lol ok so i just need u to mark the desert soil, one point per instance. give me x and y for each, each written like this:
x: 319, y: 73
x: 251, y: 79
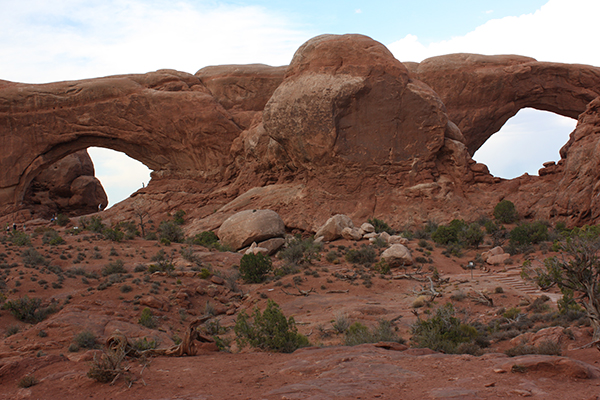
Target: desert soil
x: 325, y: 370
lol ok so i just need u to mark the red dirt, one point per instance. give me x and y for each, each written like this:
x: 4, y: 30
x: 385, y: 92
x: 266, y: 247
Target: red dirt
x: 325, y: 371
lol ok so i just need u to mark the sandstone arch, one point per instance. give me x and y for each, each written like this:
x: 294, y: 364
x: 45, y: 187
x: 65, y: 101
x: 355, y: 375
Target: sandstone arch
x: 482, y: 92
x: 167, y: 120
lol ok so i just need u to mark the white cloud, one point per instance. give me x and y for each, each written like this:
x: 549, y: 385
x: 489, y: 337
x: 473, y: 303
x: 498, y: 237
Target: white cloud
x: 74, y: 39
x: 560, y: 31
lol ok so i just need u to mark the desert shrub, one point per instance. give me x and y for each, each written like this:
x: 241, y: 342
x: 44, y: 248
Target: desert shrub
x: 382, y: 266
x: 332, y: 256
x: 442, y: 332
x: 147, y: 319
x: 52, y: 238
x: 301, y: 251
x: 94, y: 224
x: 162, y: 262
x: 341, y: 323
x: 27, y: 381
x: 140, y: 268
x: 171, y: 232
x: 358, y: 333
x: 113, y: 234
x: 129, y: 228
x: 31, y: 257
x: 505, y: 212
x: 269, y: 330
x: 108, y: 366
x: 511, y: 313
x: 144, y: 344
x: 125, y: 288
x: 115, y: 267
x: 62, y: 220
x: 255, y: 267
x: 529, y: 233
x: 365, y: 255
x: 459, y: 234
x: 85, y: 340
x: 539, y: 305
x: 19, y: 238
x: 381, y: 226
x: 206, y: 239
x: 178, y: 217
x: 567, y: 303
x: 29, y: 309
x: 473, y: 235
x: 12, y: 330
x: 446, y: 234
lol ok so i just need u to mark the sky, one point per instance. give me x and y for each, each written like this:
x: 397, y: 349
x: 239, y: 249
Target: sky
x: 43, y: 41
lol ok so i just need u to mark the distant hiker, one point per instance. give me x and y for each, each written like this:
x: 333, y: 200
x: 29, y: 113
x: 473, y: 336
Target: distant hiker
x: 143, y: 185
x: 14, y: 226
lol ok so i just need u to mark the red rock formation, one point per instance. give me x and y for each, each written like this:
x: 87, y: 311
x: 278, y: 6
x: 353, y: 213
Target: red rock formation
x: 165, y: 119
x: 348, y: 129
x: 482, y: 92
x: 67, y: 186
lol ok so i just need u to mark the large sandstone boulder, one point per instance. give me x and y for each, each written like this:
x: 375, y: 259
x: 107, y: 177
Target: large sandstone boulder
x: 332, y: 229
x: 352, y: 102
x: 245, y: 227
x: 67, y: 186
x: 397, y: 255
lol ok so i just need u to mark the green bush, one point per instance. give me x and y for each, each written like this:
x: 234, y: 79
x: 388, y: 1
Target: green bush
x: 93, y: 224
x: 113, y: 234
x: 147, y: 319
x: 27, y: 381
x: 380, y: 226
x: 178, y: 217
x: 269, y: 330
x: 115, y: 267
x: 300, y: 252
x: 29, y: 309
x: 19, y: 238
x: 358, y: 333
x: 171, y: 232
x: 443, y: 331
x: 144, y: 344
x: 529, y: 233
x: 52, y: 238
x: 162, y: 262
x: 31, y: 257
x: 85, y: 340
x: 129, y: 229
x: 206, y: 239
x: 505, y: 212
x: 366, y: 255
x: 255, y: 267
x: 62, y: 220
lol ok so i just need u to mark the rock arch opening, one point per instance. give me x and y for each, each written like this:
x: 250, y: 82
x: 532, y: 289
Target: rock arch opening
x: 526, y: 141
x: 119, y: 174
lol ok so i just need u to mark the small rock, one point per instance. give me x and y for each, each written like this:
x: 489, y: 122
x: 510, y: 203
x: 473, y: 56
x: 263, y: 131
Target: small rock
x: 217, y: 280
x: 397, y: 255
x: 397, y: 239
x: 151, y: 301
x: 332, y: 229
x: 367, y: 228
x: 351, y: 234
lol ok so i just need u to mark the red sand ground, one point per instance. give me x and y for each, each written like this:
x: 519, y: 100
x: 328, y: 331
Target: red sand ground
x: 327, y: 370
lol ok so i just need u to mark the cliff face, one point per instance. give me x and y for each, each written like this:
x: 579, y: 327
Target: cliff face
x: 344, y: 128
